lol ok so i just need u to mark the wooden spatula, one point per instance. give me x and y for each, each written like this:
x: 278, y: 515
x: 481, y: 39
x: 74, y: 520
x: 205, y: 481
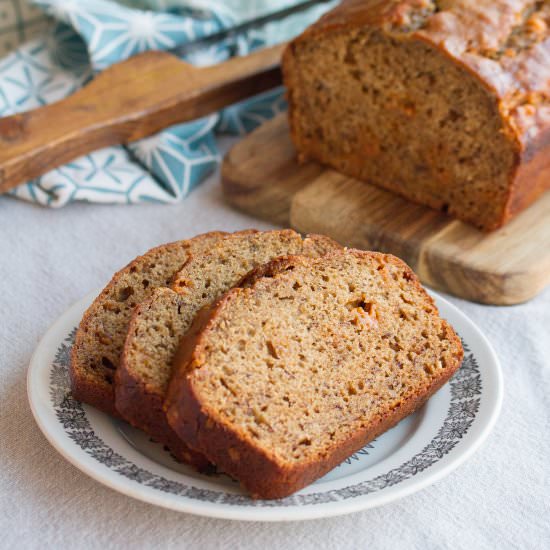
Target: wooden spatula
x: 128, y: 101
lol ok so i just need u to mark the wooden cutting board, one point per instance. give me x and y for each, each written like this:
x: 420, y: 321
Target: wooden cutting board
x: 261, y: 176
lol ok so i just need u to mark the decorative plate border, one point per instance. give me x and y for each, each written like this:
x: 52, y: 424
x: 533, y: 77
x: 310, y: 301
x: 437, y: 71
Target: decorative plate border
x: 465, y: 385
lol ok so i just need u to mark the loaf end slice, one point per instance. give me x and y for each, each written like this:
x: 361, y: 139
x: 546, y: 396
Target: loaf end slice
x: 100, y: 336
x: 281, y: 381
x: 159, y: 322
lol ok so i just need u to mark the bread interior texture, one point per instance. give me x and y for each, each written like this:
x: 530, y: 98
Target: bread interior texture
x: 300, y: 362
x: 397, y: 112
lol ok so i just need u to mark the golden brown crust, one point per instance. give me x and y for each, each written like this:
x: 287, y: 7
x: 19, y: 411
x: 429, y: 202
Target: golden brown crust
x: 532, y: 176
x: 257, y: 470
x: 504, y: 45
x: 142, y: 407
x: 99, y: 396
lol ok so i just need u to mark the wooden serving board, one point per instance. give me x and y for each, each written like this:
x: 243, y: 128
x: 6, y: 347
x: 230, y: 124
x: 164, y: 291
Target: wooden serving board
x: 261, y: 176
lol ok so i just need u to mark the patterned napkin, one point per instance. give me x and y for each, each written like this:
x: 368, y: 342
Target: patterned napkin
x: 82, y: 37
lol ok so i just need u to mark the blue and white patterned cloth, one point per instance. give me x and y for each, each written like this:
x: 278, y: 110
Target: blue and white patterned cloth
x: 85, y: 37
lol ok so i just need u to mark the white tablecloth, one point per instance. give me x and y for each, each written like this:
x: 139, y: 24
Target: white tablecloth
x: 50, y: 258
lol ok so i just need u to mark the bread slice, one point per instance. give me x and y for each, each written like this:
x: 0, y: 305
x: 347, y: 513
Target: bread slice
x: 279, y: 382
x: 159, y: 322
x: 102, y: 331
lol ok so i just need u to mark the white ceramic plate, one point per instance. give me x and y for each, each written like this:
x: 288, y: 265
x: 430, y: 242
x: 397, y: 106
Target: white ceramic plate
x: 420, y: 450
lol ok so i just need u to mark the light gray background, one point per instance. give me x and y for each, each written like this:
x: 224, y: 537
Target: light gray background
x: 50, y: 258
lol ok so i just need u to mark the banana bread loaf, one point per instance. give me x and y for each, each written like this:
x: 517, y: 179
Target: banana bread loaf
x: 445, y: 103
x: 159, y: 322
x: 280, y: 381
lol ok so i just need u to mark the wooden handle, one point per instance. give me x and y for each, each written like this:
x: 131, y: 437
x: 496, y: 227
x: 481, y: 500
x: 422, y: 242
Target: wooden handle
x: 128, y: 101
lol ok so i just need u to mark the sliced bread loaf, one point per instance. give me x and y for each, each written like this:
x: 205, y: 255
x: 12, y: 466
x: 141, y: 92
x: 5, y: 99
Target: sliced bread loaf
x: 159, y: 322
x: 100, y: 336
x: 280, y: 381
x: 445, y: 103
